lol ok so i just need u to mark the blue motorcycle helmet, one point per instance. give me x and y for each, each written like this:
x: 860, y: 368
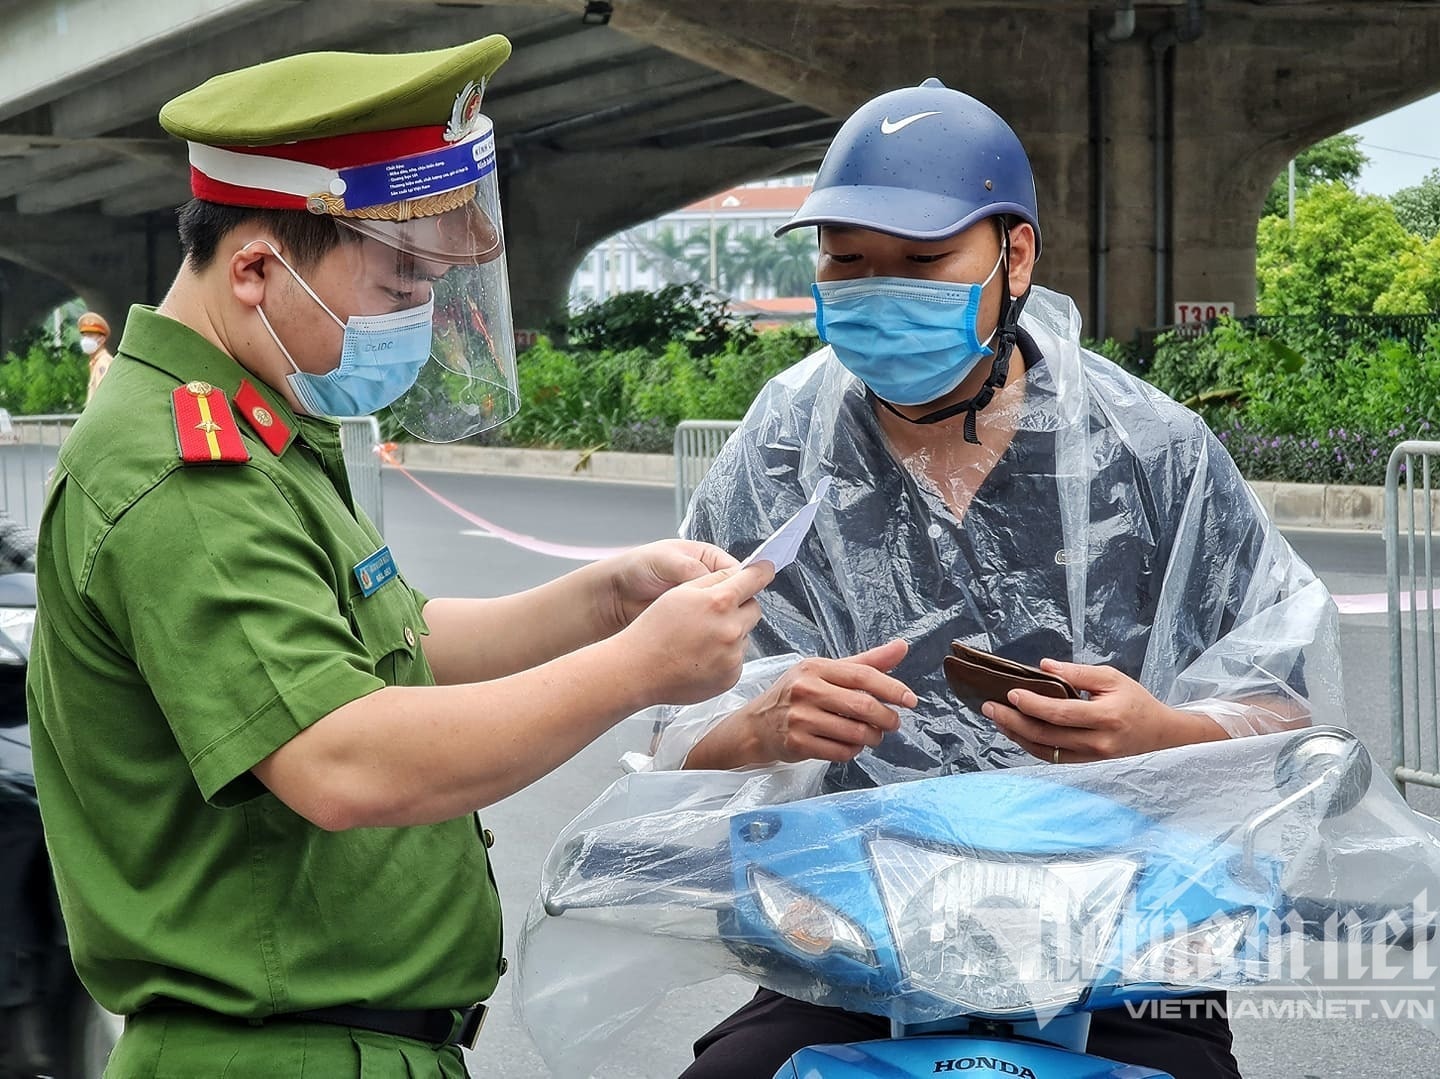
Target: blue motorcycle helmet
x: 925, y: 163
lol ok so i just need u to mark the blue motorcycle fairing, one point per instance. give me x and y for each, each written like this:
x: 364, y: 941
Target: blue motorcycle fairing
x: 819, y: 847
x: 973, y: 1058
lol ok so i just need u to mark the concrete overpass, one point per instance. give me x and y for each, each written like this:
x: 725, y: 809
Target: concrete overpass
x: 1156, y: 126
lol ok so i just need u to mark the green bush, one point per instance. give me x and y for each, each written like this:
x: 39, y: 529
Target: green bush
x: 1321, y: 405
x: 632, y: 399
x: 43, y: 378
x: 651, y: 320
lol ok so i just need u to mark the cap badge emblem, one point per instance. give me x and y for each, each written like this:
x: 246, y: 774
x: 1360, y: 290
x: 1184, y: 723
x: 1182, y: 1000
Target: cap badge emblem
x: 465, y: 115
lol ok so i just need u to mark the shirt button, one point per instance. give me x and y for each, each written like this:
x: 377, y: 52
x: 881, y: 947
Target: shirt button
x: 504, y: 966
x: 410, y: 636
x: 489, y: 837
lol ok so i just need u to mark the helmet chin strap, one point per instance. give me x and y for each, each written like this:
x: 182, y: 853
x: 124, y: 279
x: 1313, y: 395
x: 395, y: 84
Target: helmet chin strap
x: 1010, y: 308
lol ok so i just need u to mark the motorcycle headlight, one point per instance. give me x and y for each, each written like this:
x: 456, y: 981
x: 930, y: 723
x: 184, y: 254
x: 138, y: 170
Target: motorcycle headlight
x: 806, y: 923
x: 1202, y: 956
x: 997, y: 937
x: 17, y: 624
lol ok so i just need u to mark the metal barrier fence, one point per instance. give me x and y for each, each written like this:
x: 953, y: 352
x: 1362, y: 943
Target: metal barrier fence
x: 697, y: 444
x: 1412, y: 506
x: 29, y: 446
x: 360, y: 444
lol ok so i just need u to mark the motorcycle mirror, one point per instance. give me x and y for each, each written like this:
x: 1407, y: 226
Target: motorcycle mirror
x: 1333, y: 760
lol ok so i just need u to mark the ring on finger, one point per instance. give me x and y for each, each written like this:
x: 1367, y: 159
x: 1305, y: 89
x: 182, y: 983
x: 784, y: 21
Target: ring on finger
x: 1056, y: 758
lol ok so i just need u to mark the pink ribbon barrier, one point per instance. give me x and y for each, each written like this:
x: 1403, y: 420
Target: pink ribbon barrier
x: 517, y: 539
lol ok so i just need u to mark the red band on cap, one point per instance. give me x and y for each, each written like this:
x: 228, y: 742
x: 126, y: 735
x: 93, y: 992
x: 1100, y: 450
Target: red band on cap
x: 364, y: 148
x: 203, y: 187
x: 336, y: 152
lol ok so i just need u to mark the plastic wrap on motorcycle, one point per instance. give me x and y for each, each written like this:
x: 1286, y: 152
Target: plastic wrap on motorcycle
x: 1019, y: 895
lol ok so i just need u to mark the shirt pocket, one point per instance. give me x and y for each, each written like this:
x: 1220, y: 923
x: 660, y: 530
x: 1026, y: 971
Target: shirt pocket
x: 389, y: 624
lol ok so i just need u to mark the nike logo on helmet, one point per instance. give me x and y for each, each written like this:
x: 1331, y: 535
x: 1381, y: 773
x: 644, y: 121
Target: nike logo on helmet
x: 888, y: 128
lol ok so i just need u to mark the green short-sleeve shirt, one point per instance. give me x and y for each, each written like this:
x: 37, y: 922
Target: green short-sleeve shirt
x: 192, y: 619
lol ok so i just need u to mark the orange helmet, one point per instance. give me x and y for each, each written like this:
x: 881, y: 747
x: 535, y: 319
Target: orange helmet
x: 90, y: 322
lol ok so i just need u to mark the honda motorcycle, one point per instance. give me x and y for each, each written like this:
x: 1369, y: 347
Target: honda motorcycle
x: 987, y: 915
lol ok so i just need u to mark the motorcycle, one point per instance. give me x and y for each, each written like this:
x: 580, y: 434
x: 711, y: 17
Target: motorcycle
x: 49, y: 1026
x: 988, y: 914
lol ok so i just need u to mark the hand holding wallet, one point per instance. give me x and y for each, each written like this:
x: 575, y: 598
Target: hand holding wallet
x: 976, y: 677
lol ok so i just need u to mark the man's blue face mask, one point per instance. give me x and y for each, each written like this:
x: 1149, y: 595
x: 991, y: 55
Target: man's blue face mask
x: 911, y: 341
x: 380, y: 358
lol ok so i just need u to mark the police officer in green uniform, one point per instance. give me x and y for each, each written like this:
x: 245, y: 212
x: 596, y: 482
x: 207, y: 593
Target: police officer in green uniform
x: 258, y: 750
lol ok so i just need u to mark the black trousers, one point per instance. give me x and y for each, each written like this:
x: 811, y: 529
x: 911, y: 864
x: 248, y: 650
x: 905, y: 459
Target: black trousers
x: 764, y: 1033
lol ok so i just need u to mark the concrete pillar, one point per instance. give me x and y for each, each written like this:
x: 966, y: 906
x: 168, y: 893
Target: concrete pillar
x: 1244, y: 97
x: 25, y: 297
x: 108, y: 262
x: 1248, y: 93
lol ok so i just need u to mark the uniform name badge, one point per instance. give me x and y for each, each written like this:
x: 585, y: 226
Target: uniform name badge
x: 375, y: 571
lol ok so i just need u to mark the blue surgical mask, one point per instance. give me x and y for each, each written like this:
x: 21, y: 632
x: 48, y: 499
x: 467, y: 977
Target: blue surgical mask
x: 910, y: 341
x: 380, y: 358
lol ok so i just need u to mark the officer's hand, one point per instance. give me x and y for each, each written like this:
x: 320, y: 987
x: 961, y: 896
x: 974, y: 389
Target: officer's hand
x: 1120, y: 719
x: 643, y: 575
x: 827, y: 709
x: 689, y: 644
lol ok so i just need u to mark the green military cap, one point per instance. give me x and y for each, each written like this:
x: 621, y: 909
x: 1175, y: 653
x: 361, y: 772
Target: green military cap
x: 387, y: 137
x: 319, y: 95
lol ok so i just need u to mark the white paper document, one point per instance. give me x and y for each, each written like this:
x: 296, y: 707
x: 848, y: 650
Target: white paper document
x: 784, y: 543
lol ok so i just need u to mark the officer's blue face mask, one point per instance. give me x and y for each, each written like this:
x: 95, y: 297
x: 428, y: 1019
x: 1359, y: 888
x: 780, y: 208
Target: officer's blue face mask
x: 380, y: 358
x: 911, y: 341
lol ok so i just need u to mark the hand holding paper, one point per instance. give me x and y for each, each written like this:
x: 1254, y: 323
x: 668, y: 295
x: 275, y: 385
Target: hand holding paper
x: 784, y: 543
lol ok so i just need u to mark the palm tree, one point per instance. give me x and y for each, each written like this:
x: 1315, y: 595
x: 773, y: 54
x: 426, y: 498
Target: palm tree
x: 755, y: 258
x: 728, y: 273
x: 678, y: 262
x: 794, y: 267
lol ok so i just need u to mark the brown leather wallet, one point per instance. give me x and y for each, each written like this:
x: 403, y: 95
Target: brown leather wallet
x: 976, y: 677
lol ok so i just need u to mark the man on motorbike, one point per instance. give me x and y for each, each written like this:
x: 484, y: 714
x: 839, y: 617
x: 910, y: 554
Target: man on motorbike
x: 997, y: 485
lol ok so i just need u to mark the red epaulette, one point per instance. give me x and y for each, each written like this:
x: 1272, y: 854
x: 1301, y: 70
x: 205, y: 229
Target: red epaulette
x: 205, y: 427
x: 273, y: 431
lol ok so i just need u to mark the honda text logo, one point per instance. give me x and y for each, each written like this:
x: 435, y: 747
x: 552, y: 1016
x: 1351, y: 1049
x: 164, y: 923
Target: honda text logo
x: 994, y: 1064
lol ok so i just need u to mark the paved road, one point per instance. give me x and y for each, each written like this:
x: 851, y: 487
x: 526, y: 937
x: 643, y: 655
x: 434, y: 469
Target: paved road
x: 441, y: 555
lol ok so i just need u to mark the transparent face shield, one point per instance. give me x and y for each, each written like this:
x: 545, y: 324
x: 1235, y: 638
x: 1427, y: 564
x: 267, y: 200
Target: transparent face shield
x: 455, y: 254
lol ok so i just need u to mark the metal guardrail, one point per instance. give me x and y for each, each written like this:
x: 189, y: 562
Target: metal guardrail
x: 360, y: 445
x: 697, y: 444
x: 1412, y: 506
x: 29, y: 446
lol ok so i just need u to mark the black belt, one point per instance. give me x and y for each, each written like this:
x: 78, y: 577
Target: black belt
x: 435, y: 1026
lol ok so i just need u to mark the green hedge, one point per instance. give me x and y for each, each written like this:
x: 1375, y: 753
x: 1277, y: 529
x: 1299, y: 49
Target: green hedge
x: 632, y: 399
x: 1324, y: 405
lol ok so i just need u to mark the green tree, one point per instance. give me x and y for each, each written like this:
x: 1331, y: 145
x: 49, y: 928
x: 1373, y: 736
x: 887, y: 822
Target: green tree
x: 1342, y: 255
x: 1336, y: 160
x: 677, y: 261
x: 1415, y: 288
x: 755, y: 258
x: 794, y: 267
x: 41, y: 377
x: 1418, y: 207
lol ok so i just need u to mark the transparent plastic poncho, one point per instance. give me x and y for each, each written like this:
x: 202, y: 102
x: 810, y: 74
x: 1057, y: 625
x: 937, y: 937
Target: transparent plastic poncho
x: 1114, y: 529
x: 1020, y: 895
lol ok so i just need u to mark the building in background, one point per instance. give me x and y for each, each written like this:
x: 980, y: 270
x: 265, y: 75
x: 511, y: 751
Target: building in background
x: 725, y: 242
